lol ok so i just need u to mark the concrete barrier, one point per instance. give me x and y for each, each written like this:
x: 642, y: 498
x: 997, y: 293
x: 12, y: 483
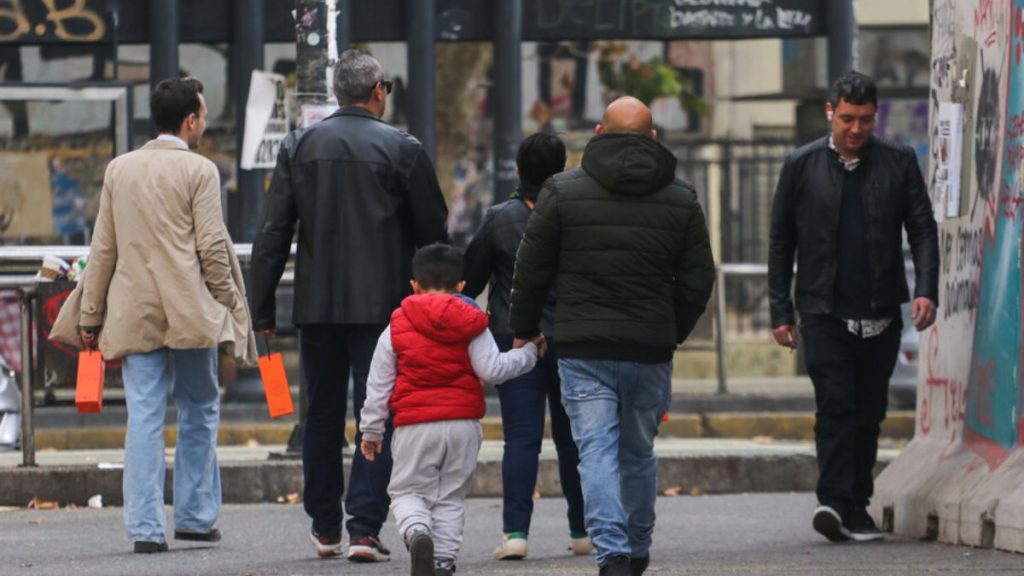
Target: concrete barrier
x: 961, y: 479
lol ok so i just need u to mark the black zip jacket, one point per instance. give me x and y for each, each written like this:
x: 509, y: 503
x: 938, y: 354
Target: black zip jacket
x: 805, y: 221
x: 365, y: 196
x: 625, y: 244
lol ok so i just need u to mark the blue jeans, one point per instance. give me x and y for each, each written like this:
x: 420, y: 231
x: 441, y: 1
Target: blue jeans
x: 190, y: 376
x: 615, y: 408
x: 522, y: 420
x: 329, y: 352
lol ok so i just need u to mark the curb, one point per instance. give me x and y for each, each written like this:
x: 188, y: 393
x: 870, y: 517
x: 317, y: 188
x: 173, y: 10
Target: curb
x: 780, y: 425
x: 268, y: 480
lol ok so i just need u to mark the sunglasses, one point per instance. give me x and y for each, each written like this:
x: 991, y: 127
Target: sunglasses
x: 387, y: 85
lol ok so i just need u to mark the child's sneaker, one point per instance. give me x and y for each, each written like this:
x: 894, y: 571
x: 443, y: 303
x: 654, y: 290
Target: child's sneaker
x: 421, y: 555
x: 581, y: 544
x: 513, y: 547
x: 326, y: 546
x: 444, y: 567
x: 367, y: 549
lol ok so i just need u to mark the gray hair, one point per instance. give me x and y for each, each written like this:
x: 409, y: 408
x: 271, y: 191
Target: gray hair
x: 355, y: 76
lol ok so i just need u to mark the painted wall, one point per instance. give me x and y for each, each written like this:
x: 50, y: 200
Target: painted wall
x: 961, y: 479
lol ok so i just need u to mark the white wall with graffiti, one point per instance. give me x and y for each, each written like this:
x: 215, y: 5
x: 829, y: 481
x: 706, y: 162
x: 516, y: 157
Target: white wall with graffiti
x: 959, y: 479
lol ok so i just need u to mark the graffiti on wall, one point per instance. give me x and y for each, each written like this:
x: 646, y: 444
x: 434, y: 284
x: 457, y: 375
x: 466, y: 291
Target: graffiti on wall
x: 971, y: 396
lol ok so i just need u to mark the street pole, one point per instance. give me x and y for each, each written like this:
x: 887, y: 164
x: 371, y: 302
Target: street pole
x: 508, y: 33
x: 247, y: 50
x: 420, y: 38
x: 164, y: 36
x: 841, y: 28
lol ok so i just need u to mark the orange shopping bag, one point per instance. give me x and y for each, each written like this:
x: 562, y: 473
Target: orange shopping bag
x: 89, y: 386
x: 275, y: 384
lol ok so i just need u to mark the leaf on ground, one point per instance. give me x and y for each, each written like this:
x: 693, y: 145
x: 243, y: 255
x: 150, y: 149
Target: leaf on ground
x: 762, y: 439
x: 696, y: 491
x: 38, y: 503
x: 673, y: 491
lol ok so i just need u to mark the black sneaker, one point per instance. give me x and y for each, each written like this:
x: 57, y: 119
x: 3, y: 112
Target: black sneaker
x: 148, y: 547
x: 212, y: 536
x: 829, y: 524
x: 637, y: 566
x: 616, y: 566
x: 421, y: 555
x: 861, y: 527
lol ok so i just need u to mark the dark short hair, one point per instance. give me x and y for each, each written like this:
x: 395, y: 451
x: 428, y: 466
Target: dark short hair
x: 540, y: 157
x: 855, y: 88
x: 437, y: 267
x: 172, y: 101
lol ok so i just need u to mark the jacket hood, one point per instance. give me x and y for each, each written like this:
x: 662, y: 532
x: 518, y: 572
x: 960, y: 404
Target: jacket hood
x: 629, y: 163
x: 444, y: 317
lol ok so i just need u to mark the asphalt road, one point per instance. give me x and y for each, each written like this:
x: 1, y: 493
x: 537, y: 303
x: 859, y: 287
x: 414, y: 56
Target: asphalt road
x: 766, y: 534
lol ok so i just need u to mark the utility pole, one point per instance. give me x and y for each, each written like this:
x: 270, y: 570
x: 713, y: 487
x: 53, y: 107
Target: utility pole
x: 508, y: 129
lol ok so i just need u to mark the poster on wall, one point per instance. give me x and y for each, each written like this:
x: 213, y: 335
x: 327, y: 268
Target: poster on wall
x: 26, y: 200
x: 266, y: 120
x: 947, y: 175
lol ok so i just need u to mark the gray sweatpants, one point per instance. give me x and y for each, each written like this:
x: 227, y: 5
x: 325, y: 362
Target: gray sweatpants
x: 433, y: 467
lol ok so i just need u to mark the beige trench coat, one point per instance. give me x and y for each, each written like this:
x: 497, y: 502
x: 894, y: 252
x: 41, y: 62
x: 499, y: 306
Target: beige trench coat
x: 162, y: 271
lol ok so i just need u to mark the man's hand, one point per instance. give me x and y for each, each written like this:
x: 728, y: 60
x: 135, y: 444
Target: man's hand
x: 541, y: 343
x: 370, y: 449
x: 90, y: 338
x: 785, y: 335
x: 268, y: 333
x: 923, y: 313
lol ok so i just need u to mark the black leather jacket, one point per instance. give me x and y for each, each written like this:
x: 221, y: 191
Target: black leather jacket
x: 805, y: 218
x: 365, y: 196
x: 491, y: 257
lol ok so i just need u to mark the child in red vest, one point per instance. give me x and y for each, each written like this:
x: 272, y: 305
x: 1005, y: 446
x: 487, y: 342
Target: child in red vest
x: 427, y: 371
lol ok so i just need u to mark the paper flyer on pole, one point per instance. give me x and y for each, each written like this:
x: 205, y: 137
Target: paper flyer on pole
x: 266, y: 120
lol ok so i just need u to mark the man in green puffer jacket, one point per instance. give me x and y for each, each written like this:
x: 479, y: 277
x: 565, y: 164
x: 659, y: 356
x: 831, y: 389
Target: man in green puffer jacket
x: 625, y: 244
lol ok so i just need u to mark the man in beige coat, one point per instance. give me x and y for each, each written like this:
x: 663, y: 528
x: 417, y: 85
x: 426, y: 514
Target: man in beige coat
x: 161, y: 290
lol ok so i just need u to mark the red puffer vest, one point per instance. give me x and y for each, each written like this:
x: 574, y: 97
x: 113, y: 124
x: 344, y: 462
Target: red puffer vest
x: 431, y: 334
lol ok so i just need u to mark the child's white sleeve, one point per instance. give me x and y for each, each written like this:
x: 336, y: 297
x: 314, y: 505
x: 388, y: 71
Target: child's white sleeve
x: 493, y: 366
x: 379, y: 385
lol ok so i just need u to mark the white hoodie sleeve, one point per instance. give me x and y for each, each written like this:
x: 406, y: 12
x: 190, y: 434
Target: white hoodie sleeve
x: 379, y: 385
x: 493, y: 366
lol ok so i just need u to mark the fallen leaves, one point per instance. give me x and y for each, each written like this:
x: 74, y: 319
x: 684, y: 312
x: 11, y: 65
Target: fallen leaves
x: 292, y: 498
x: 38, y: 503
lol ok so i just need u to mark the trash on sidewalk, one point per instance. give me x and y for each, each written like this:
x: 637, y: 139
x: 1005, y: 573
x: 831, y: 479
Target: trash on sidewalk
x: 763, y: 439
x: 110, y: 466
x: 96, y: 501
x: 38, y: 503
x: 673, y: 491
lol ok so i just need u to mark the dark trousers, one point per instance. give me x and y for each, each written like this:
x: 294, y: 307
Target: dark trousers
x: 522, y: 419
x: 329, y: 352
x: 851, y: 387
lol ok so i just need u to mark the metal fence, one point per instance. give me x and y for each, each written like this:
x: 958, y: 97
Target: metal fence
x: 735, y: 181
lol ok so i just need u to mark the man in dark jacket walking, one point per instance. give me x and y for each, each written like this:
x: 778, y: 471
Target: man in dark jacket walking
x: 625, y: 244
x: 840, y: 205
x: 366, y: 196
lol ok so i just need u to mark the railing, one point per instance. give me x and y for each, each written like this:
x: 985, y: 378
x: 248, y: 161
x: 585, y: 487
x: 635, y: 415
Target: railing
x: 16, y: 263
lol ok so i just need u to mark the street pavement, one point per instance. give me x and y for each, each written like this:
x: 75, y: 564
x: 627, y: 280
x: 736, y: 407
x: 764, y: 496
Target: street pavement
x: 742, y: 534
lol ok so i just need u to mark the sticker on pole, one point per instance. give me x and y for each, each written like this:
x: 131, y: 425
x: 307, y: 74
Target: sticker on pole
x: 266, y: 120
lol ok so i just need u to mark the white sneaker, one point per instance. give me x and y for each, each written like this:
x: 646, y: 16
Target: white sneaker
x: 511, y: 548
x: 581, y: 546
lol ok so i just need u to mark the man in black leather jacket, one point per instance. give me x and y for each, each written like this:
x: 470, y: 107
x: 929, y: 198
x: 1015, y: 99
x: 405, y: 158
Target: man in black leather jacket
x: 841, y: 204
x: 366, y: 196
